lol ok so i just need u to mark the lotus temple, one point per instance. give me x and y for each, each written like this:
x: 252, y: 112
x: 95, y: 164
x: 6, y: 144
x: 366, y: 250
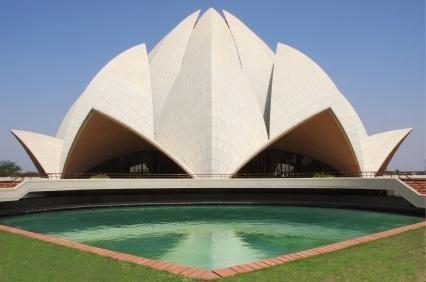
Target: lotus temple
x: 211, y: 106
x: 211, y: 99
x: 210, y: 156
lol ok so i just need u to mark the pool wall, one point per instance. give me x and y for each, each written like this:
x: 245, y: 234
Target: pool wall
x: 339, y: 198
x: 385, y: 194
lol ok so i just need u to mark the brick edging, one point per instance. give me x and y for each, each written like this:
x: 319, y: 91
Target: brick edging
x: 215, y: 273
x: 265, y: 263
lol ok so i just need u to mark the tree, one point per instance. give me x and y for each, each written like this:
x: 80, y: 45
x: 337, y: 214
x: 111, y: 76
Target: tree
x: 9, y: 167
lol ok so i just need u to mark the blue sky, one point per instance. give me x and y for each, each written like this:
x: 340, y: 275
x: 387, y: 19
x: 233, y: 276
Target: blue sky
x: 372, y: 49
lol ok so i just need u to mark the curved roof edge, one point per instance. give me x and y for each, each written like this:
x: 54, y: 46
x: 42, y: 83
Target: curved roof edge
x: 378, y: 149
x: 301, y: 88
x: 256, y: 58
x: 122, y: 89
x: 214, y: 122
x: 145, y: 138
x: 281, y: 135
x: 153, y: 52
x: 165, y: 61
x: 44, y: 150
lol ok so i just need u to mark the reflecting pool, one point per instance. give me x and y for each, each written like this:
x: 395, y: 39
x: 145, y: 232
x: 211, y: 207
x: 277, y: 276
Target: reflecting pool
x: 209, y: 236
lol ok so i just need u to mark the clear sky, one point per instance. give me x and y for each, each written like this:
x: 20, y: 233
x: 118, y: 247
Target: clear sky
x: 374, y: 50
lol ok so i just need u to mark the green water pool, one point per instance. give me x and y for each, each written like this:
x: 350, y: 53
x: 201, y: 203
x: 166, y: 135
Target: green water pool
x: 209, y: 236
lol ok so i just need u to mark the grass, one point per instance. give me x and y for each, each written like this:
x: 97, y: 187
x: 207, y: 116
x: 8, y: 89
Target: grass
x: 25, y: 259
x: 396, y: 258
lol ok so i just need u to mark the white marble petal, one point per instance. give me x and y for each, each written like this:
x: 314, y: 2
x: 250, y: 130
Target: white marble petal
x: 122, y: 90
x: 212, y: 95
x: 256, y: 60
x: 379, y: 148
x: 44, y: 150
x: 166, y: 59
x: 211, y: 119
x: 301, y: 89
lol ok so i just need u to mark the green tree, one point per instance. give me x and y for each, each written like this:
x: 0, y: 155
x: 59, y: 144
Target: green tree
x: 9, y: 167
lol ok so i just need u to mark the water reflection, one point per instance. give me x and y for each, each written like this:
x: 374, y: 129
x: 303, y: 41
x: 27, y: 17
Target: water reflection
x: 209, y: 236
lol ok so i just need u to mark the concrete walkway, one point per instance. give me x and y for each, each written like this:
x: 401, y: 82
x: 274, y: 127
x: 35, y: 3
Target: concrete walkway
x: 393, y: 186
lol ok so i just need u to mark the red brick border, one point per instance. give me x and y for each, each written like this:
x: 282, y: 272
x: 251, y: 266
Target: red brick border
x: 215, y: 273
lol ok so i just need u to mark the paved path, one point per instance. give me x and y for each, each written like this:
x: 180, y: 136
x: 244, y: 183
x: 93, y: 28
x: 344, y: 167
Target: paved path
x: 394, y: 186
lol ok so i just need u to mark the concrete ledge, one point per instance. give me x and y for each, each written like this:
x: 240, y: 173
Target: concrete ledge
x: 392, y: 186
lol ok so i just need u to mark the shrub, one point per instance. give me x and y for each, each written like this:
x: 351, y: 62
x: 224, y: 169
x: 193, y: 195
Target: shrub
x: 322, y: 175
x: 99, y: 176
x: 9, y: 168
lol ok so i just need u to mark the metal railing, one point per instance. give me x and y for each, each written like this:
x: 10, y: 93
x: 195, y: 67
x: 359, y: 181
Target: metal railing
x: 317, y: 174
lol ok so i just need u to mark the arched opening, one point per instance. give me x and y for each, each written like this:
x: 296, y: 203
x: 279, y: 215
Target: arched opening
x: 150, y: 163
x: 103, y: 146
x: 278, y: 163
x: 317, y: 145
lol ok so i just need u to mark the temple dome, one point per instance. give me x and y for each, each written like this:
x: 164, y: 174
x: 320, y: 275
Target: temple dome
x: 210, y: 98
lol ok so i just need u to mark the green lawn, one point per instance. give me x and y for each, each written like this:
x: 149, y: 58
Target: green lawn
x: 25, y: 259
x: 397, y: 258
